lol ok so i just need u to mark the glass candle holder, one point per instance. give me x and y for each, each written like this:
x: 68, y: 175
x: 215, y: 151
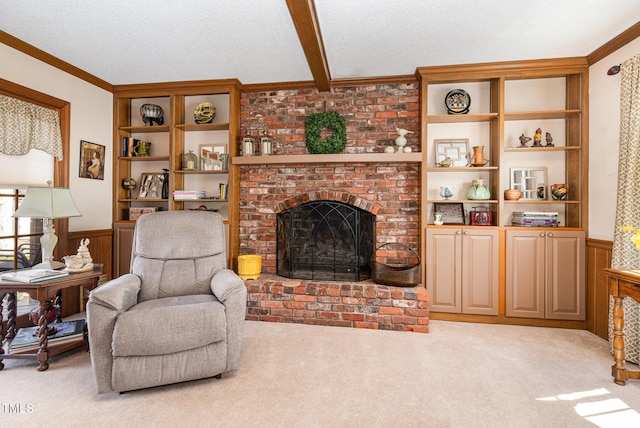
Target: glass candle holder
x: 247, y: 146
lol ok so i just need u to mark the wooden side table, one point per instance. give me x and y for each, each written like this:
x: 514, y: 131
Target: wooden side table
x: 43, y: 291
x: 622, y: 283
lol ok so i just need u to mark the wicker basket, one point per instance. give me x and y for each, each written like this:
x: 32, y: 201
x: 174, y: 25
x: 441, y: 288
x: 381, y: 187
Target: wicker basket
x: 397, y: 275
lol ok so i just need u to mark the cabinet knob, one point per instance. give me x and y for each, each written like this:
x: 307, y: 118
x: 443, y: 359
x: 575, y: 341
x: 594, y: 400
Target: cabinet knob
x: 465, y: 233
x: 550, y: 235
x: 542, y: 234
x: 457, y: 232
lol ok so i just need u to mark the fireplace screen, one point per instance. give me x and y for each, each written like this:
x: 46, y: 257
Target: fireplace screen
x: 325, y: 240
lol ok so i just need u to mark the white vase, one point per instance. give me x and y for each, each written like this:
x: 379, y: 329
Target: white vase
x: 446, y: 191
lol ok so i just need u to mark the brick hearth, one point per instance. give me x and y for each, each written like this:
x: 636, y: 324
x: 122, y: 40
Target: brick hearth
x: 347, y: 304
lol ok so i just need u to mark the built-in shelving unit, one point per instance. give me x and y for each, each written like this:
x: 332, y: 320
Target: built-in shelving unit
x: 178, y: 135
x: 507, y: 100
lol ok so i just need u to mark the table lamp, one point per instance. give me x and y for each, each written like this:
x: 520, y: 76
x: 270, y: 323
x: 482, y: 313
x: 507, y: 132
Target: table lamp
x: 47, y: 203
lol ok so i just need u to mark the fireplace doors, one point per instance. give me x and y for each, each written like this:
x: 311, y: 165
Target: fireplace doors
x: 325, y: 240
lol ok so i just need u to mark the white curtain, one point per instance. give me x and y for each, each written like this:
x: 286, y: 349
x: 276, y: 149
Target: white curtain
x: 625, y: 256
x: 25, y: 126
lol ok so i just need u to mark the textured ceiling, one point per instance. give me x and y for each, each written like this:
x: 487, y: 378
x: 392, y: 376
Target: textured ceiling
x: 142, y: 41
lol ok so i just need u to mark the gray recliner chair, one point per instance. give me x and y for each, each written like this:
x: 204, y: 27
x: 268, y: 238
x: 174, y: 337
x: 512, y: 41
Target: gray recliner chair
x: 178, y: 316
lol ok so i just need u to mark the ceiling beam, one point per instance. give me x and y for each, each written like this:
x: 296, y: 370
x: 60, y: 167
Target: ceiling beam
x: 305, y: 19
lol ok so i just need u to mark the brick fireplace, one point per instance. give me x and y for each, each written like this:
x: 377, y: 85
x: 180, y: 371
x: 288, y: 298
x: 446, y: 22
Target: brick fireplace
x: 390, y: 191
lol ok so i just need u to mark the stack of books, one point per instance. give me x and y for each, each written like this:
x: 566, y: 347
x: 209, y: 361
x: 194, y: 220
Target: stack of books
x: 535, y: 218
x: 27, y: 340
x: 31, y: 276
x: 179, y: 195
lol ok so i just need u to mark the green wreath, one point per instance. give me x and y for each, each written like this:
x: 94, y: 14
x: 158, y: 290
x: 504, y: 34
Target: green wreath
x: 315, y: 123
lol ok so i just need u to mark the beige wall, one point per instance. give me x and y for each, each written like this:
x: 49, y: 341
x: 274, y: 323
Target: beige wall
x: 604, y: 133
x: 91, y: 120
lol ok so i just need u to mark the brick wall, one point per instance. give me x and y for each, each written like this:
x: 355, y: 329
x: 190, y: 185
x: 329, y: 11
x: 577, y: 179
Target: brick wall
x: 372, y: 114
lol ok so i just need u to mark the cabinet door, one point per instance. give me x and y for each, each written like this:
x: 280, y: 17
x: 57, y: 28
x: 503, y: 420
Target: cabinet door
x: 480, y: 271
x: 444, y: 280
x: 525, y: 272
x: 565, y: 283
x: 122, y: 243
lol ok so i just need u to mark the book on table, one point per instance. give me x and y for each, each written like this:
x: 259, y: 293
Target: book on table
x: 31, y: 276
x: 27, y: 339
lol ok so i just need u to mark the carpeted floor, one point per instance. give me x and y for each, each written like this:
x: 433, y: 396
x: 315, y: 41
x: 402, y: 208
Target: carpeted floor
x: 459, y: 375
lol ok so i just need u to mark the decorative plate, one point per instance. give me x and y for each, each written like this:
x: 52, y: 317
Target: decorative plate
x: 457, y: 101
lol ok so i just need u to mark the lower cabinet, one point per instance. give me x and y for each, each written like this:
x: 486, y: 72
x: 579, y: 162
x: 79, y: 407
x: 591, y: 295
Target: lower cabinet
x: 462, y: 270
x: 545, y: 274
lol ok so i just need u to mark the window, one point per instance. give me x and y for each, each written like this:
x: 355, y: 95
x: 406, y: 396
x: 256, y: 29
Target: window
x: 19, y: 237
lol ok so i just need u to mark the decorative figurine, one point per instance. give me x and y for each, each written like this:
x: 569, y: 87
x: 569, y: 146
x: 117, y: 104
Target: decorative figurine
x: 549, y: 139
x: 438, y: 221
x: 446, y: 162
x: 524, y: 140
x: 81, y: 262
x: 537, y: 138
x: 401, y: 141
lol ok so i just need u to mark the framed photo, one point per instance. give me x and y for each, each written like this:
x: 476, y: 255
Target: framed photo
x: 210, y: 156
x: 91, y: 160
x: 452, y: 213
x: 151, y: 185
x: 530, y: 181
x: 455, y: 149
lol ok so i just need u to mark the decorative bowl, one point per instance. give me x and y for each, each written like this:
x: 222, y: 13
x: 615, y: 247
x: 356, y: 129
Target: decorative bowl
x: 152, y: 113
x: 512, y: 194
x: 205, y: 113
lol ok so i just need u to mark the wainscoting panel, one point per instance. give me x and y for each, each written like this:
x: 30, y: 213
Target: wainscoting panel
x: 598, y: 259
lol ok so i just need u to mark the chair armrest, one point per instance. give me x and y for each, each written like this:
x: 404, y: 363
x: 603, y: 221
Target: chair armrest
x: 229, y: 288
x: 105, y: 304
x: 119, y: 294
x: 225, y: 283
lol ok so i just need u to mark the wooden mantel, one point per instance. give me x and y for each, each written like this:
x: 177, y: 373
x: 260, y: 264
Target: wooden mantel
x: 413, y: 157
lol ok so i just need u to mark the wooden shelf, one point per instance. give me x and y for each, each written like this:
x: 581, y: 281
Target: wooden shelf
x: 201, y: 200
x: 141, y: 129
x: 201, y: 171
x: 143, y: 158
x: 548, y: 114
x: 459, y: 118
x: 541, y: 149
x: 461, y: 168
x: 414, y: 157
x: 203, y: 126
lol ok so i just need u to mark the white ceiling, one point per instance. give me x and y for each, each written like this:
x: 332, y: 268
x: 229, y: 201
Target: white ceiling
x: 142, y: 41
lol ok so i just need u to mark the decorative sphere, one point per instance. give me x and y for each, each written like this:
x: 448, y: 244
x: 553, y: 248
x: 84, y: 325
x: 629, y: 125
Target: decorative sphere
x: 205, y: 113
x: 407, y: 149
x: 128, y: 183
x: 389, y: 149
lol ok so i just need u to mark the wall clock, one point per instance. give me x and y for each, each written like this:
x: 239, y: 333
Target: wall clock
x: 457, y: 101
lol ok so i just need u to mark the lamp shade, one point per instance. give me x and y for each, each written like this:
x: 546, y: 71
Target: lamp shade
x: 47, y: 202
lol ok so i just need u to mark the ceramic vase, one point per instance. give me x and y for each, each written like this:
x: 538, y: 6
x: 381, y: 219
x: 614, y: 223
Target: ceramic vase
x: 446, y: 191
x: 478, y: 190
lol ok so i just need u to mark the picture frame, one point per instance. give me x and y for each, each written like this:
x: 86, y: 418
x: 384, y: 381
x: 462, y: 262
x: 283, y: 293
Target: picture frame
x: 92, y: 158
x: 457, y: 149
x: 151, y: 185
x: 532, y: 182
x: 210, y: 156
x: 452, y: 213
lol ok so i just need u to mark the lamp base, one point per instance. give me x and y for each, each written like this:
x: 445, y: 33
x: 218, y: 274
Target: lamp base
x: 49, y: 265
